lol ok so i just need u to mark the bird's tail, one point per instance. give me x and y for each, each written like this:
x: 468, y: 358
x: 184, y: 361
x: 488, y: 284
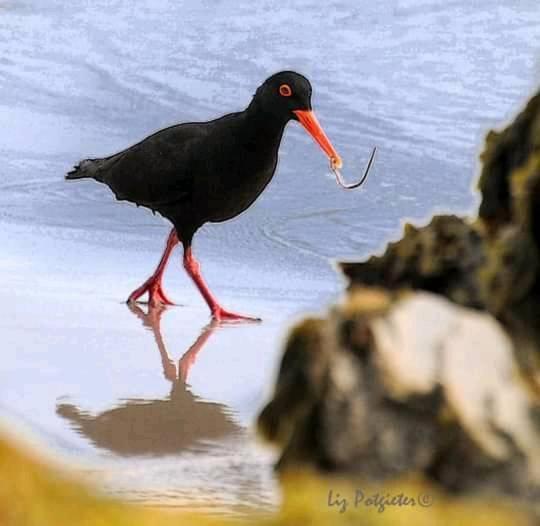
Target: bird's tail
x: 86, y: 168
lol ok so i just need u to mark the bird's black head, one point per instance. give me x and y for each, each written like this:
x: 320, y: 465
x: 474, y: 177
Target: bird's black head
x: 287, y: 95
x: 283, y: 93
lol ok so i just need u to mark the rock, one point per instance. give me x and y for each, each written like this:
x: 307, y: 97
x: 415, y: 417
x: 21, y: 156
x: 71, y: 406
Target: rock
x: 366, y: 392
x: 442, y: 257
x: 431, y: 364
x: 509, y: 212
x: 504, y: 153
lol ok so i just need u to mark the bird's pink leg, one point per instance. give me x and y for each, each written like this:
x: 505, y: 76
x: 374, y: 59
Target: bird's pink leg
x: 218, y: 313
x: 156, y: 295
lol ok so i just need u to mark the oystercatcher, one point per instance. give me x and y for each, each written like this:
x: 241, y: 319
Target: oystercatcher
x: 201, y: 172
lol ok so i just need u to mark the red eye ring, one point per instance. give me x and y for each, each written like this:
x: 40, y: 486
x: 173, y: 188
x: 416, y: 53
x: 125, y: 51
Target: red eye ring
x: 285, y: 90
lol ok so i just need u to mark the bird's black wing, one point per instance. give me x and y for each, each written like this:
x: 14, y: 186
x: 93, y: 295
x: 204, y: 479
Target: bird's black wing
x: 156, y: 171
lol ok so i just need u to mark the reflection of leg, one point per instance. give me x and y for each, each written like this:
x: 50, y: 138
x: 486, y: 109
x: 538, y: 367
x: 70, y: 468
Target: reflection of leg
x: 152, y: 285
x: 152, y: 320
x: 188, y: 358
x: 218, y: 313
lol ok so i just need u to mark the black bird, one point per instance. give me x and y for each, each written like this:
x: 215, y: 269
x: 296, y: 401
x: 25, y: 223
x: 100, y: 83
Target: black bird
x: 201, y: 172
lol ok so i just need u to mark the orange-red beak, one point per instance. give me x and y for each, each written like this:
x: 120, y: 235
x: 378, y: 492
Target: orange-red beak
x: 311, y: 124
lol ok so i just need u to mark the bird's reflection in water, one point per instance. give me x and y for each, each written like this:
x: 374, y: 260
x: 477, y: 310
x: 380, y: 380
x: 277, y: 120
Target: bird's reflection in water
x: 157, y: 427
x: 152, y: 320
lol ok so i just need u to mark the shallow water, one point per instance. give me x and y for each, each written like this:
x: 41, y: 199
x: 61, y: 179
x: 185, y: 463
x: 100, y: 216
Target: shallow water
x: 421, y: 80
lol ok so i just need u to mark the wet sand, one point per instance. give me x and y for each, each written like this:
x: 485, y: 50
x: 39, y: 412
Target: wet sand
x: 157, y: 405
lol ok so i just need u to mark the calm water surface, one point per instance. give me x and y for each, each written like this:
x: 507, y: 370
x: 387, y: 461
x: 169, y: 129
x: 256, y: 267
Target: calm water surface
x: 158, y: 407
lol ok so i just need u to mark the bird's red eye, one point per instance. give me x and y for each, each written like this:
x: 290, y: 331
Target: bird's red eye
x: 285, y: 90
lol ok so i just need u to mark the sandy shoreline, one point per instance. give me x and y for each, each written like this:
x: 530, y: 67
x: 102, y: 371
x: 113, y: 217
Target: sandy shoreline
x: 83, y: 372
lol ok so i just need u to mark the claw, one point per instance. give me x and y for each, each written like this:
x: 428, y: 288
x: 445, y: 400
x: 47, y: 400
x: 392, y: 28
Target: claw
x: 156, y: 294
x: 221, y: 315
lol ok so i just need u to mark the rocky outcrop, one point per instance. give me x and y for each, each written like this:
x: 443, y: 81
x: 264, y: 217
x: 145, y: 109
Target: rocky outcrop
x: 430, y: 363
x: 390, y: 385
x: 442, y: 257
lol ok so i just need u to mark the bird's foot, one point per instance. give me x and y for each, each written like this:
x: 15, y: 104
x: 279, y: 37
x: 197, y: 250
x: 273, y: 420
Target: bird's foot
x: 221, y: 315
x: 156, y: 294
